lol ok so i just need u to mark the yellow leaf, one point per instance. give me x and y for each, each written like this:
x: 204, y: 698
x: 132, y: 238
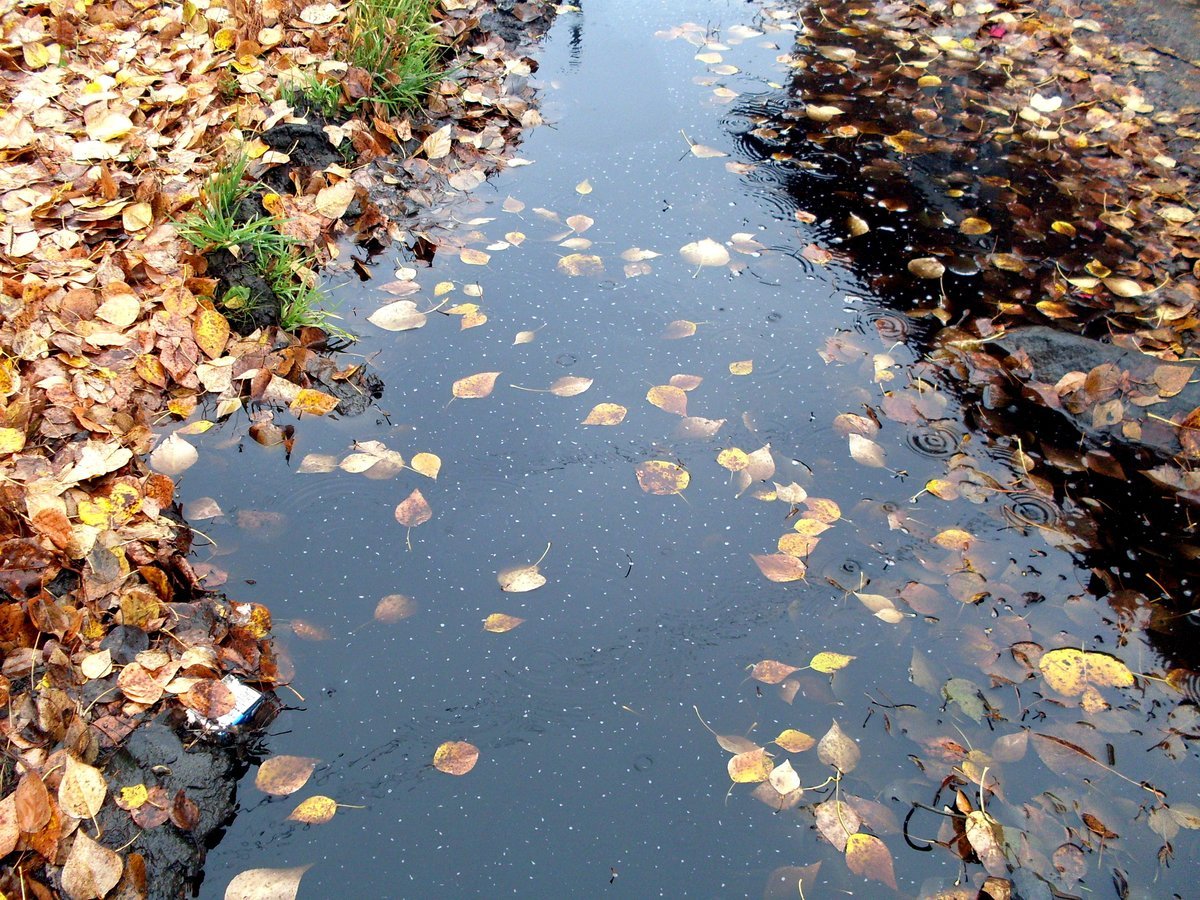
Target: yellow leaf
x: 498, y: 623
x: 742, y: 367
x: 733, y: 459
x: 680, y: 328
x: 283, y: 775
x: 313, y: 403
x: 333, y: 201
x: 581, y: 264
x: 225, y: 39
x: 794, y: 741
x: 109, y: 127
x: 474, y: 257
x: 829, y: 662
x: 584, y: 187
x: 658, y: 477
x: 82, y: 790
x: 137, y: 216
x: 606, y: 414
x: 668, y: 398
x: 519, y: 579
x: 1070, y: 671
x: 437, y: 145
x: 780, y: 567
x: 954, y: 539
x: 12, y: 440
x: 973, y: 225
x: 456, y: 757
x: 868, y: 856
x: 211, y: 332
x: 133, y: 797
x: 750, y: 767
x: 475, y: 386
x: 428, y: 464
x: 314, y: 811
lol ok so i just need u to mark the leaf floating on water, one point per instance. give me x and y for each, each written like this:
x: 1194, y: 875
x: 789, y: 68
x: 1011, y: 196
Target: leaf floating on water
x: 742, y: 367
x: 394, y: 608
x: 986, y: 838
x: 474, y: 257
x: 524, y: 337
x: 580, y: 224
x: 498, y: 623
x: 750, y: 767
x: 868, y: 856
x: 820, y: 113
x: 794, y: 741
x: 685, y: 382
x: 680, y: 328
x: 926, y: 267
x: 402, y: 315
x: 780, y: 567
x: 637, y: 254
x: 974, y: 226
x: 570, y: 386
x: 698, y: 428
x: 314, y: 811
x: 784, y: 778
x: 606, y: 414
x: 658, y: 477
x: 829, y: 662
x: 706, y: 252
x: 266, y: 884
x: 668, y: 398
x: 413, y: 510
x: 817, y: 255
x: 428, y: 464
x: 857, y: 225
x: 283, y: 775
x: 771, y: 671
x: 313, y: 403
x: 733, y: 459
x: 576, y: 264
x: 455, y: 757
x: 519, y: 579
x: 173, y: 456
x: 1070, y: 671
x: 838, y: 750
x: 475, y: 386
x: 702, y: 151
x: 866, y: 451
x: 584, y: 187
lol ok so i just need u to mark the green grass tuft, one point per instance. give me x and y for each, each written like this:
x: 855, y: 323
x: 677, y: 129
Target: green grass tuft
x: 394, y: 41
x: 320, y: 94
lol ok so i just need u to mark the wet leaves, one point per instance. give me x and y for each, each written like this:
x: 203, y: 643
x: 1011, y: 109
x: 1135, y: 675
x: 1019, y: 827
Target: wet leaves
x: 283, y: 775
x: 1071, y: 671
x: 656, y: 476
x: 836, y: 749
x: 413, y: 510
x: 499, y: 623
x: 751, y: 766
x: 475, y: 386
x: 780, y: 567
x: 314, y: 810
x: 395, y: 608
x: 926, y: 267
x: 519, y: 579
x: 606, y: 414
x: 668, y: 398
x: 456, y: 757
x: 266, y: 884
x: 706, y: 252
x: 91, y: 870
x: 868, y: 856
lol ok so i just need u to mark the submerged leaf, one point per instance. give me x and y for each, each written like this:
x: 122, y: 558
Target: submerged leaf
x: 838, y: 750
x: 771, y: 671
x: 413, y: 510
x: 394, y: 608
x: 868, y: 856
x: 668, y: 398
x: 780, y: 567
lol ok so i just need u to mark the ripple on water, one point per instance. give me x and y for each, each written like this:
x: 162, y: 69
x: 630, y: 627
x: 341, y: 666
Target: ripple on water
x: 937, y: 439
x: 1028, y: 510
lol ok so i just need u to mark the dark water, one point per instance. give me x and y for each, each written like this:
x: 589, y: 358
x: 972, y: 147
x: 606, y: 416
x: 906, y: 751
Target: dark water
x: 592, y: 756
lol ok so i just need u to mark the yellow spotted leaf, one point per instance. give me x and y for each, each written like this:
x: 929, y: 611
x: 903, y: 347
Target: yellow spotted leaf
x: 314, y: 811
x: 750, y: 767
x: 456, y: 757
x: 658, y: 477
x: 742, y: 367
x: 771, y: 671
x: 794, y: 741
x: 1071, y: 671
x: 733, y: 459
x: 211, y: 332
x: 312, y: 402
x: 606, y: 414
x: 668, y: 398
x: 498, y: 623
x: 829, y: 662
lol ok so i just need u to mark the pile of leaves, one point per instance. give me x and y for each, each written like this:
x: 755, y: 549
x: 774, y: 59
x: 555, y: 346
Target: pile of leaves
x: 112, y: 119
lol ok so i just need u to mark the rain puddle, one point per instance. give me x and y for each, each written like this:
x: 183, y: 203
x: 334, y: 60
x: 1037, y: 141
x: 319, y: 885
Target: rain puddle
x: 780, y: 418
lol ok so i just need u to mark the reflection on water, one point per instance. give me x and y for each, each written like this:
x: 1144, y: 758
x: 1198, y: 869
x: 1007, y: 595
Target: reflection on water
x: 945, y: 558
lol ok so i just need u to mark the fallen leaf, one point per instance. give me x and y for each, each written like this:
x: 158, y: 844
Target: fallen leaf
x: 836, y: 821
x: 498, y: 623
x: 866, y: 451
x: 742, y: 367
x: 173, y: 456
x: 829, y: 662
x: 283, y: 775
x: 266, y: 884
x: 413, y: 510
x: 794, y: 741
x: 475, y: 386
x: 770, y: 671
x: 658, y: 477
x: 680, y: 328
x: 1070, y: 671
x: 838, y: 750
x: 584, y: 187
x: 570, y: 386
x: 926, y: 267
x: 91, y: 871
x: 750, y: 767
x: 314, y: 811
x: 576, y: 264
x: 706, y: 252
x: 82, y: 790
x: 668, y: 398
x: 428, y: 464
x: 399, y: 316
x: 868, y: 856
x: 437, y: 145
x: 312, y: 402
x: 456, y: 757
x: 606, y: 414
x: 395, y: 608
x: 519, y: 579
x: 780, y: 567
x: 784, y: 778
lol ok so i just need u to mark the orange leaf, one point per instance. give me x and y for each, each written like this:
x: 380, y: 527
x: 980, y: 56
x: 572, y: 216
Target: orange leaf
x: 456, y: 757
x: 314, y: 403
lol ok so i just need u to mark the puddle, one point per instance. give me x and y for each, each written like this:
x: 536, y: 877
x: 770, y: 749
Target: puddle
x: 595, y: 774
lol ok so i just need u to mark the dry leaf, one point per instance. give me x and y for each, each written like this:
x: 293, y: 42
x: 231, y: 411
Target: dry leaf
x: 91, y: 871
x: 82, y: 790
x: 770, y: 671
x: 399, y: 316
x: 838, y: 750
x: 668, y: 398
x: 750, y: 767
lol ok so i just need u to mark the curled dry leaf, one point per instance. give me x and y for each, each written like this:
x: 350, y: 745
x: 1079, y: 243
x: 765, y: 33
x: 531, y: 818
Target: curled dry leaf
x: 606, y: 414
x: 266, y: 884
x: 475, y: 386
x: 395, y: 608
x: 455, y: 757
x: 283, y: 775
x: 498, y: 623
x: 838, y: 750
x: 750, y: 767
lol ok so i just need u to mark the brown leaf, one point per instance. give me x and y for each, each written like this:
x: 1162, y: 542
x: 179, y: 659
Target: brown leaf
x: 184, y: 813
x: 210, y: 697
x: 868, y: 856
x: 283, y: 775
x: 656, y: 476
x: 498, y: 623
x: 606, y: 414
x: 10, y: 832
x: 413, y: 510
x: 91, y: 871
x: 836, y: 821
x: 838, y: 750
x: 926, y: 267
x: 33, y: 803
x: 1098, y: 827
x: 456, y: 757
x: 394, y: 608
x: 771, y: 671
x: 780, y: 567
